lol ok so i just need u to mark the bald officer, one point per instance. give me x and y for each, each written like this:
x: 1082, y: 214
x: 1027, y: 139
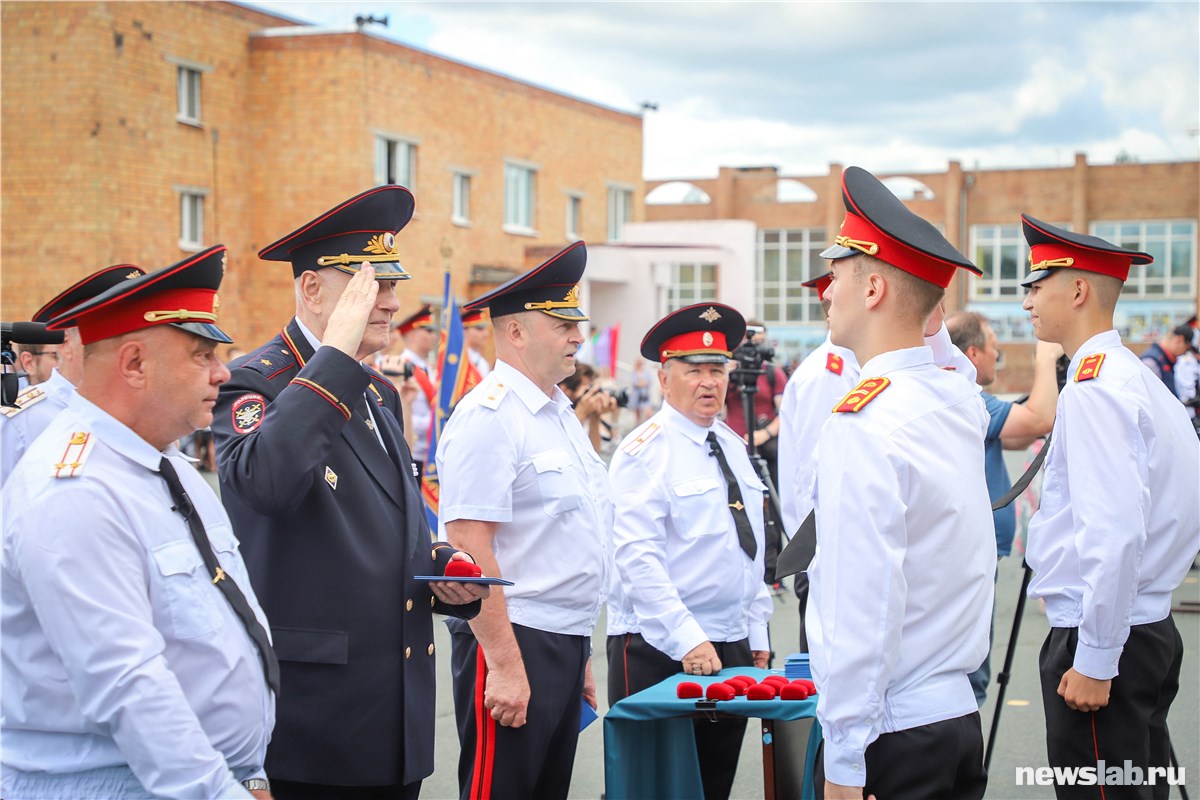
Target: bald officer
x: 39, y: 404
x: 523, y: 490
x: 136, y: 659
x: 688, y: 534
x: 1119, y: 522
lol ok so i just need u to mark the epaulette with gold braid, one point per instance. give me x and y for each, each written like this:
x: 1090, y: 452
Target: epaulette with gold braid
x: 862, y: 394
x: 1089, y: 367
x: 30, y: 397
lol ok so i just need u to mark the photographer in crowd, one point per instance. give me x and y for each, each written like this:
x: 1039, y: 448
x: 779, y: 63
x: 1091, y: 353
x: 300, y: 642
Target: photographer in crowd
x: 591, y: 402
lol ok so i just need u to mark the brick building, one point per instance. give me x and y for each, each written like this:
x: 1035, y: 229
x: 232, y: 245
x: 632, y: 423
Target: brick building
x: 1150, y: 207
x: 141, y: 132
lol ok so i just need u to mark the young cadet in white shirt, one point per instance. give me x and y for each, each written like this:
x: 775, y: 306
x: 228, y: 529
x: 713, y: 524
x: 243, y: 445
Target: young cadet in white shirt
x: 128, y: 671
x: 688, y: 546
x: 1119, y: 523
x: 901, y: 583
x: 41, y: 403
x: 522, y: 486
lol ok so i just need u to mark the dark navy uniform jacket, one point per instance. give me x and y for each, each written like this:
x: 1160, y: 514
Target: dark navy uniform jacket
x: 333, y: 530
x: 1163, y: 365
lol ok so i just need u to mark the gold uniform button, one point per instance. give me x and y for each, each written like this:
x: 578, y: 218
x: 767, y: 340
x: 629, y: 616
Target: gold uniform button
x: 430, y: 649
x: 408, y: 606
x: 432, y: 602
x: 433, y: 554
x: 408, y: 652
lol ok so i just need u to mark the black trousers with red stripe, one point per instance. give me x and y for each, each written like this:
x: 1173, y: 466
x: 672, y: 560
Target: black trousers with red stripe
x: 633, y: 665
x: 1132, y: 727
x: 535, y: 760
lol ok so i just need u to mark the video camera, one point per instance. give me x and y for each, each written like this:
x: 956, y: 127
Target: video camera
x: 749, y: 357
x: 19, y: 333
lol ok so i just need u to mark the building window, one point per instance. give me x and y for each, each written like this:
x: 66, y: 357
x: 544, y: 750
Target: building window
x: 1173, y: 245
x: 1001, y: 253
x: 574, y: 216
x: 188, y: 82
x: 620, y: 211
x: 786, y: 259
x: 518, y: 198
x: 461, y: 213
x: 395, y: 162
x: 691, y: 283
x: 191, y: 220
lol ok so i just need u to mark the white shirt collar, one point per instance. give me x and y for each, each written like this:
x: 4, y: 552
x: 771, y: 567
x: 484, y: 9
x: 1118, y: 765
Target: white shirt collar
x: 675, y: 418
x: 313, y: 341
x: 116, y: 435
x: 524, y: 388
x: 894, y: 360
x: 1101, y: 341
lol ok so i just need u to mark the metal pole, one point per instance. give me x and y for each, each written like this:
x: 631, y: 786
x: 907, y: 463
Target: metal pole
x: 1002, y: 677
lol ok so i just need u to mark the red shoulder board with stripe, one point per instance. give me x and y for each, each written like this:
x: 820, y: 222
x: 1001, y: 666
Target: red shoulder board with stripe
x: 1089, y: 368
x: 862, y: 394
x: 834, y: 363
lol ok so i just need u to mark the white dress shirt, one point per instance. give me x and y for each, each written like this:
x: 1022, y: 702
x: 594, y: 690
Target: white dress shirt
x: 810, y: 395
x: 511, y: 454
x: 1187, y: 374
x: 681, y: 568
x: 18, y: 431
x: 1119, y: 523
x: 478, y: 361
x: 117, y: 648
x: 901, y: 585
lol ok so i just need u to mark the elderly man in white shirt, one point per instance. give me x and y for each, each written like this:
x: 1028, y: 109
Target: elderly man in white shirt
x: 522, y: 487
x: 688, y: 534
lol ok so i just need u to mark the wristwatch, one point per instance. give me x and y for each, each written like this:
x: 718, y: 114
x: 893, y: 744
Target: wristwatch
x: 257, y: 785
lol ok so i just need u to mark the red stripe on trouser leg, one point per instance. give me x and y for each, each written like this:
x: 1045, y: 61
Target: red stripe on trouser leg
x: 1096, y: 750
x: 485, y: 734
x: 625, y: 653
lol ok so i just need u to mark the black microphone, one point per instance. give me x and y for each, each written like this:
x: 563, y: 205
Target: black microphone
x: 29, y: 333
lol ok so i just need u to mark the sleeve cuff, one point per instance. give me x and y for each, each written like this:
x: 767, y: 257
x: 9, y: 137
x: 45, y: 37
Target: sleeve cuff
x: 845, y: 766
x: 688, y: 636
x: 758, y: 637
x: 1098, y: 663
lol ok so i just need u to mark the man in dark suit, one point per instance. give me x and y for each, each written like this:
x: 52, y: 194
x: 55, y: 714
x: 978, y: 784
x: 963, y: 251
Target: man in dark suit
x: 319, y: 483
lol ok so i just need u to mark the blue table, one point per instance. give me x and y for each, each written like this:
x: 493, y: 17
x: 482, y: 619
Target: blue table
x: 650, y: 749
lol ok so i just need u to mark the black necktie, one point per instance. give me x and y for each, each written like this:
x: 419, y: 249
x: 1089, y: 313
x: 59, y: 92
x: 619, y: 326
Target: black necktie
x: 241, y: 607
x: 740, y: 518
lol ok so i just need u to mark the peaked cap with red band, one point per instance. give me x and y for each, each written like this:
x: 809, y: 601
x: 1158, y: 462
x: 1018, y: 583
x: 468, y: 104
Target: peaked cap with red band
x: 183, y: 295
x: 820, y: 283
x: 361, y: 229
x: 423, y: 318
x: 1051, y: 248
x: 473, y: 319
x: 705, y: 333
x: 95, y: 284
x: 878, y: 224
x: 551, y: 287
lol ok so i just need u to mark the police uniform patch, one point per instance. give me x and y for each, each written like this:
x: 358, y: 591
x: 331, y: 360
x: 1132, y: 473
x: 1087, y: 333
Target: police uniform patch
x: 493, y: 393
x: 834, y: 363
x: 1089, y: 368
x: 247, y: 412
x: 331, y: 478
x: 78, y: 448
x: 30, y: 397
x: 641, y: 436
x: 862, y: 394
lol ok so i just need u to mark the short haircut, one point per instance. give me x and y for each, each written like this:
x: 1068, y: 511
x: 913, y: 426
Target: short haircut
x: 22, y: 347
x: 582, y: 370
x: 1106, y: 288
x: 915, y: 295
x: 967, y: 329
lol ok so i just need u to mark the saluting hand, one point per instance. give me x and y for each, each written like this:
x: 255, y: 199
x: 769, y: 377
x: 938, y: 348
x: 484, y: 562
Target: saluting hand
x: 348, y: 321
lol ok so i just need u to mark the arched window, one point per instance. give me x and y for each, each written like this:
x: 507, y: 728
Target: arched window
x: 908, y: 188
x: 677, y: 193
x: 788, y: 190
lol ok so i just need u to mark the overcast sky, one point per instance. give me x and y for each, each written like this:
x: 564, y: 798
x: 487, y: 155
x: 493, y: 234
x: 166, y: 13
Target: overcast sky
x: 890, y: 86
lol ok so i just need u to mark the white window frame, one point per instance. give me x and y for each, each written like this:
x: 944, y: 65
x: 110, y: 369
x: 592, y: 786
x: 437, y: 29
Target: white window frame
x: 191, y: 217
x: 1141, y: 239
x: 574, y: 216
x: 620, y: 209
x: 520, y: 198
x: 991, y: 285
x: 460, y: 198
x: 699, y: 290
x: 188, y: 94
x: 809, y: 242
x: 395, y: 161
